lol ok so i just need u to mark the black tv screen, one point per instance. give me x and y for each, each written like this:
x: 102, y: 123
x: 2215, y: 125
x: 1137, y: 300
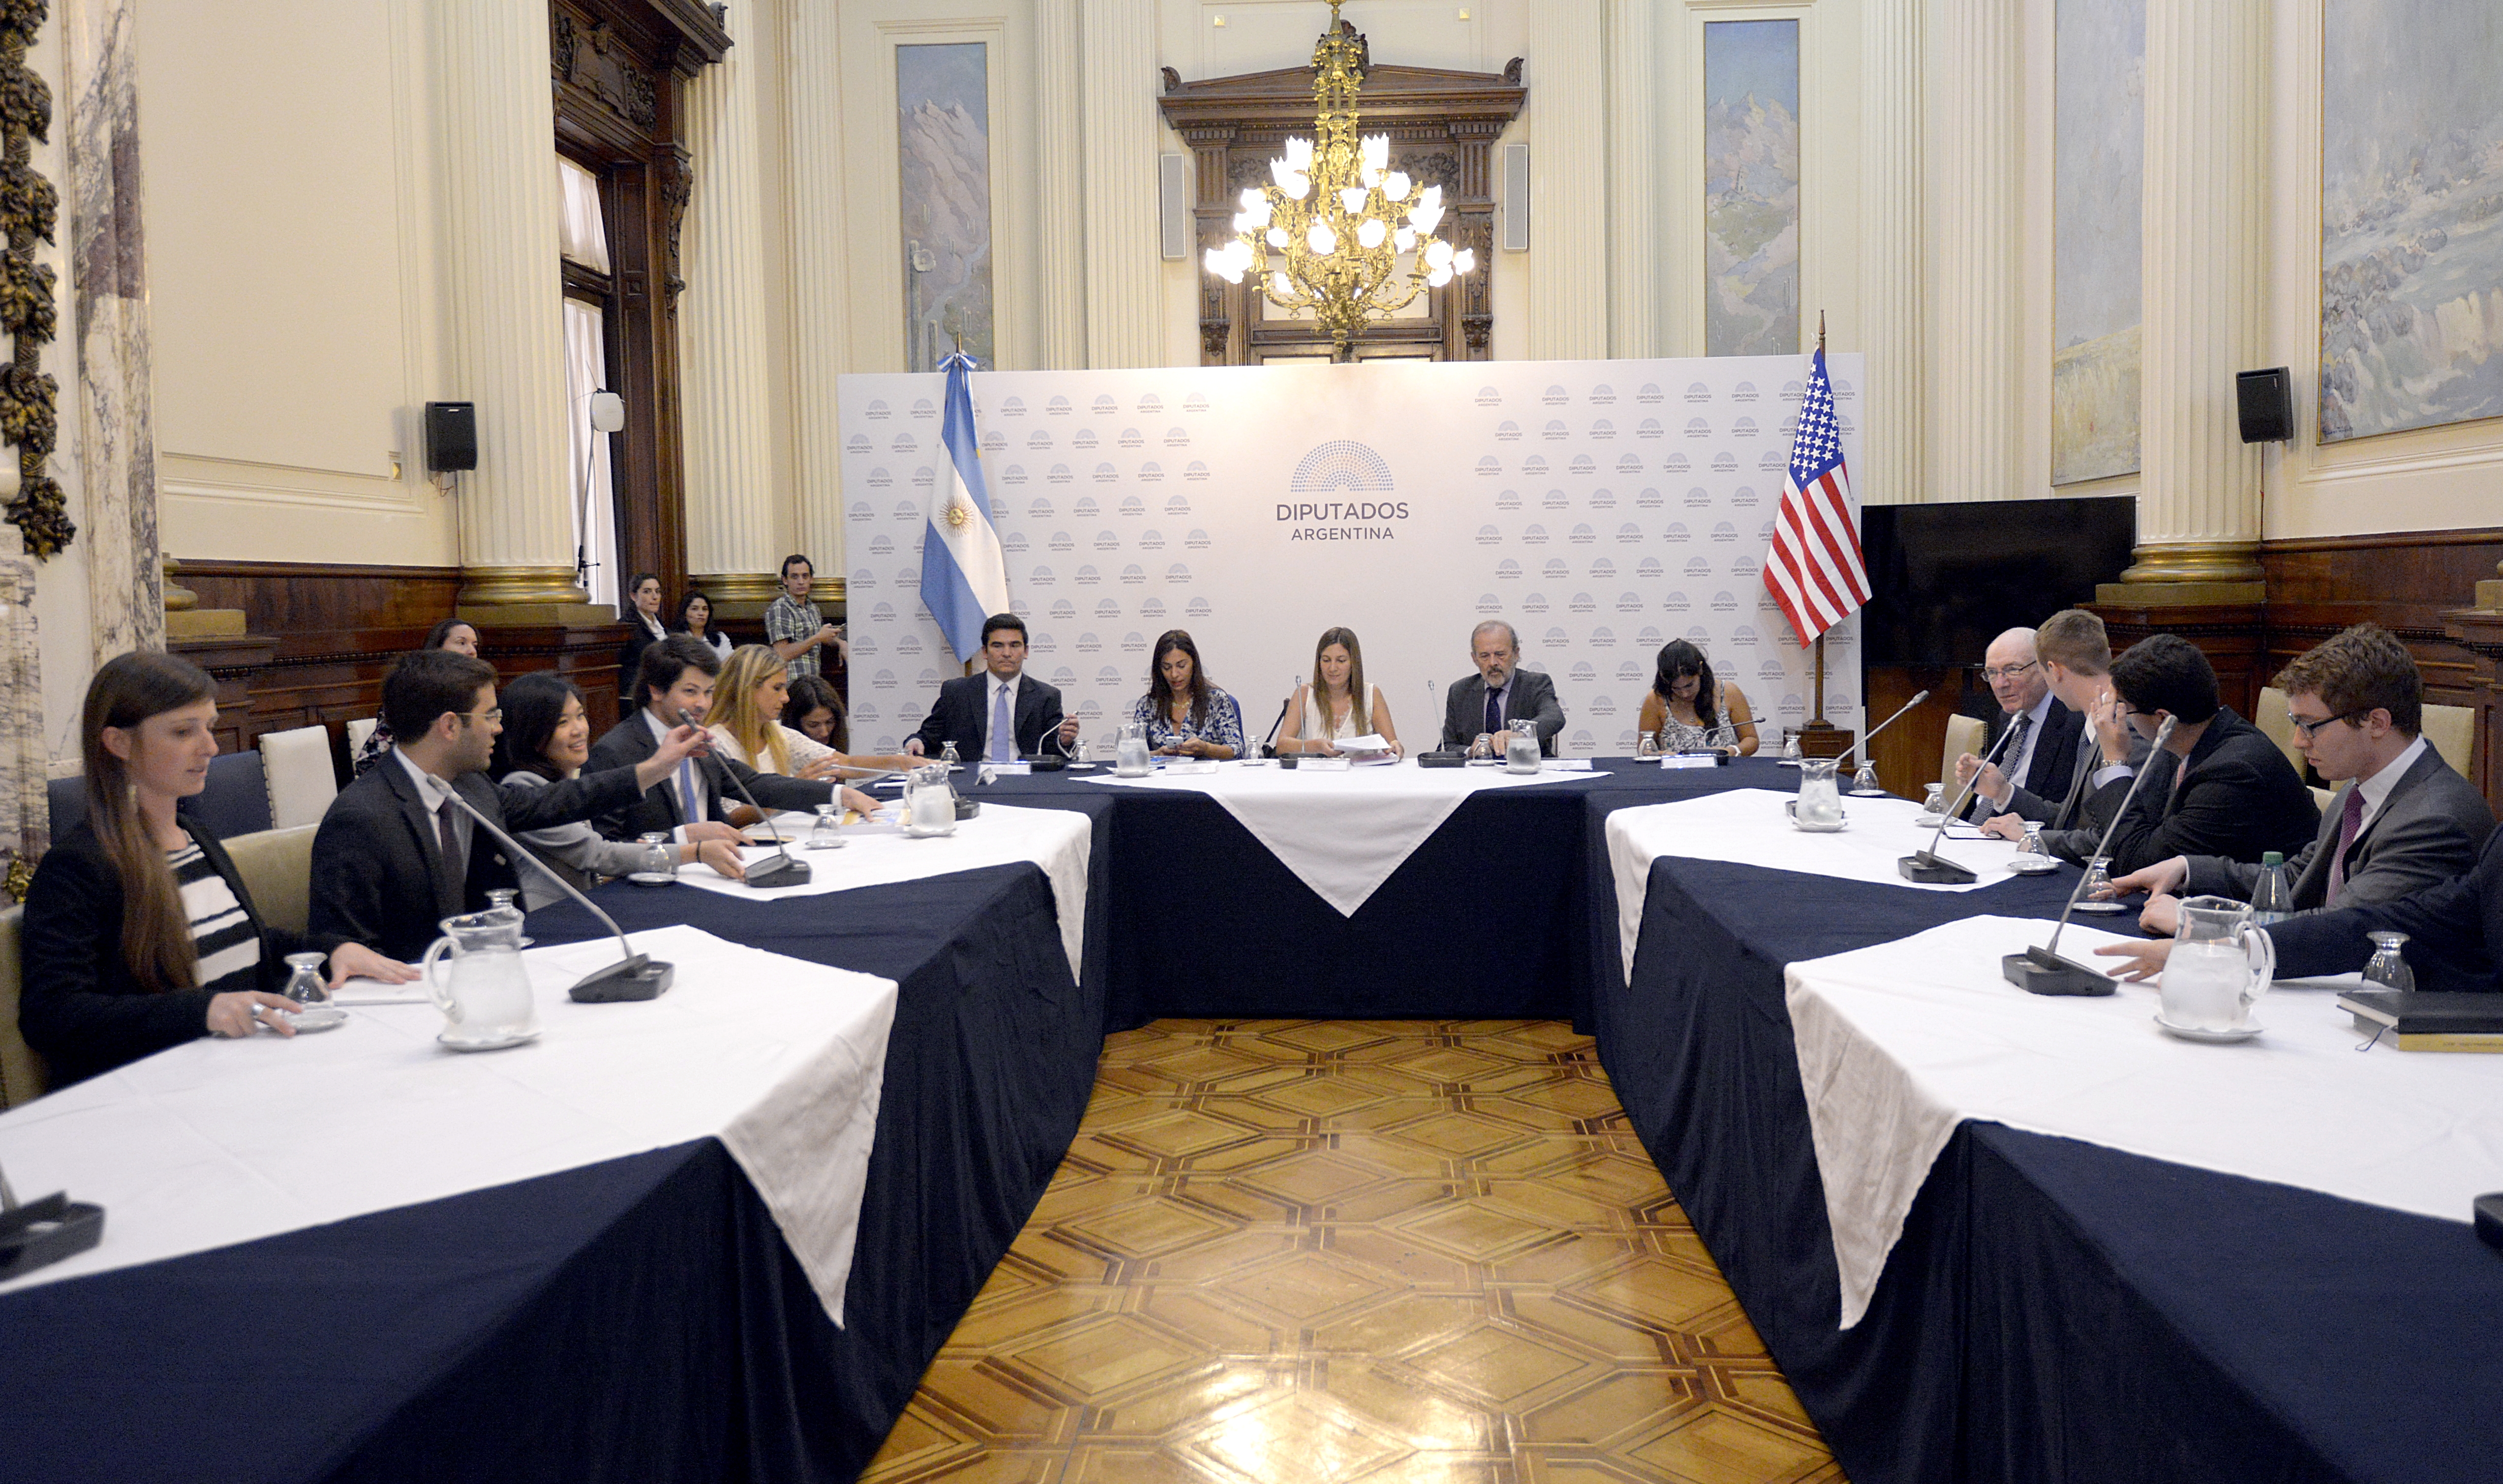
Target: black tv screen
x: 1946, y: 579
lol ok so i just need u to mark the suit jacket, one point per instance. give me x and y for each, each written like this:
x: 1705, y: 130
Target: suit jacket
x: 79, y: 1004
x: 2429, y: 830
x: 378, y: 872
x: 2085, y: 808
x: 656, y: 812
x: 2052, y: 769
x: 958, y: 716
x: 2239, y: 798
x: 2455, y: 931
x: 1532, y: 698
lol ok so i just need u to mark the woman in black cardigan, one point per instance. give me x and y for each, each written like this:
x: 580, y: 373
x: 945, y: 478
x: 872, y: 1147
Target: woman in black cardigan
x: 138, y: 934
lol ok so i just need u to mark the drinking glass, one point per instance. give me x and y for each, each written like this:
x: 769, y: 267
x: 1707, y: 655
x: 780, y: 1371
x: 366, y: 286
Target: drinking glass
x: 1647, y: 745
x: 1482, y: 747
x: 2091, y: 897
x: 1934, y: 805
x: 1864, y: 783
x: 2033, y: 857
x: 304, y: 980
x: 824, y: 834
x: 2388, y: 968
x: 657, y: 868
x: 1791, y: 746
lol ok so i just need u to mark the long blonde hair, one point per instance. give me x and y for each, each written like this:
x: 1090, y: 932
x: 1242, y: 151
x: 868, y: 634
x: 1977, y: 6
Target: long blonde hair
x: 734, y: 707
x: 155, y: 933
x: 1355, y: 691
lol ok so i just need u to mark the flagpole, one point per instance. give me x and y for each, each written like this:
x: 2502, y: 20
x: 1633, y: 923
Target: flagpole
x: 1821, y: 737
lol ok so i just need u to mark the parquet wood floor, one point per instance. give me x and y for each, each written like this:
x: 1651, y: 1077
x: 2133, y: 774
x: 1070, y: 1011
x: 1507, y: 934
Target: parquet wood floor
x: 1298, y: 1251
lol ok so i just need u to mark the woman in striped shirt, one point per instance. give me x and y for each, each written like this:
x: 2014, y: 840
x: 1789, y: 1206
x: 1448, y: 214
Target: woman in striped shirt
x: 139, y: 935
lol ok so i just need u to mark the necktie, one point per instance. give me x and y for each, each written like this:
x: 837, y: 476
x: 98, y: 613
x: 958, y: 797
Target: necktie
x: 448, y: 840
x: 1494, y: 710
x: 691, y: 806
x: 2017, y: 761
x: 2350, y: 821
x: 1003, y: 747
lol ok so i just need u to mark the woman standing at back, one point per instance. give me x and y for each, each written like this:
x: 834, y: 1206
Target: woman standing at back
x: 1337, y: 705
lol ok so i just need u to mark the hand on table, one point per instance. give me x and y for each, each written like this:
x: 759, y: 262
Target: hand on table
x: 2146, y: 960
x: 712, y: 829
x: 825, y: 767
x: 246, y: 1011
x: 2164, y: 878
x: 354, y: 960
x: 2162, y: 915
x: 912, y: 748
x: 721, y: 855
x: 2004, y: 827
x: 853, y: 799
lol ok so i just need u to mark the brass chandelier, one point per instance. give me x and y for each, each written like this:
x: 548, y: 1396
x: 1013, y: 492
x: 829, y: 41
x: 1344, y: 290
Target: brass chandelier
x: 1337, y: 232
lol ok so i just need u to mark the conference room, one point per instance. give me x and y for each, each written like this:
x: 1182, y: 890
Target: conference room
x: 1206, y: 742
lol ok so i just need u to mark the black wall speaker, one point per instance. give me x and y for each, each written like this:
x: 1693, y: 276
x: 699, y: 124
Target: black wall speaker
x: 2266, y: 400
x: 451, y: 437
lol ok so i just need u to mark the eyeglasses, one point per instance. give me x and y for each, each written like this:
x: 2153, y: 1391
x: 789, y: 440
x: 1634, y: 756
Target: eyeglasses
x: 492, y: 713
x: 2008, y: 671
x: 2310, y: 729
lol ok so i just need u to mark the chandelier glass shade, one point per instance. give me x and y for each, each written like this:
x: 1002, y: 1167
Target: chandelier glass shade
x: 1337, y: 232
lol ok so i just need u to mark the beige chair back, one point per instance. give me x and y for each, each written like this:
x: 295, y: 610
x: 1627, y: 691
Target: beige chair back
x: 23, y: 1074
x: 277, y: 869
x: 2321, y: 798
x: 2452, y: 731
x: 1965, y: 733
x: 302, y: 780
x: 2272, y: 721
x: 357, y: 731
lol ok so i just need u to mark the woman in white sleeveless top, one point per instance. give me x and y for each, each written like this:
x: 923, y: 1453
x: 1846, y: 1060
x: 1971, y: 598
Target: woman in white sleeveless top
x: 1337, y: 705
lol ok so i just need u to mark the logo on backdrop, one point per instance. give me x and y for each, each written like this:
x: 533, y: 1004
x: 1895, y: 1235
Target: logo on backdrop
x: 1342, y: 466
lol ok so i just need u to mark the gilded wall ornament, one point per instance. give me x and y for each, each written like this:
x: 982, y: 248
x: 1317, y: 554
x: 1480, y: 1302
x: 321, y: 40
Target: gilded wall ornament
x: 29, y: 212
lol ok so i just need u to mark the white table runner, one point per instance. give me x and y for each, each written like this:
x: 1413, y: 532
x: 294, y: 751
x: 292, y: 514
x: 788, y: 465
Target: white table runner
x: 1748, y: 825
x: 217, y: 1142
x: 1060, y: 841
x: 1899, y: 1042
x: 1341, y: 832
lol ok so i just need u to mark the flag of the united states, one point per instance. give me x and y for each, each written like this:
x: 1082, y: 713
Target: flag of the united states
x: 1815, y: 570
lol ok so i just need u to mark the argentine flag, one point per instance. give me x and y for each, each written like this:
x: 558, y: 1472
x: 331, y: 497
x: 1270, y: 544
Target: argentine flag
x: 964, y: 578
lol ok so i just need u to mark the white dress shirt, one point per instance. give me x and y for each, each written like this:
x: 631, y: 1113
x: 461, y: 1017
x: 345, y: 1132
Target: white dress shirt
x: 703, y: 781
x: 435, y: 791
x: 2377, y: 788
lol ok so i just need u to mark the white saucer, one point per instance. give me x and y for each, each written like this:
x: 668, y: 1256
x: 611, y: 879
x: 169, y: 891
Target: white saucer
x: 2243, y: 1033
x: 1866, y: 793
x: 497, y: 1044
x: 651, y: 878
x: 2033, y: 865
x: 1835, y: 828
x: 2085, y: 904
x: 315, y: 1018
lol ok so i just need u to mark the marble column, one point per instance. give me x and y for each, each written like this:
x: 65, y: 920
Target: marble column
x: 2207, y: 268
x: 738, y: 528
x: 1890, y: 253
x: 1060, y: 248
x: 1119, y: 134
x: 1634, y: 184
x: 1568, y: 180
x: 25, y: 807
x: 1973, y: 151
x: 821, y: 318
x: 107, y: 293
x: 496, y: 147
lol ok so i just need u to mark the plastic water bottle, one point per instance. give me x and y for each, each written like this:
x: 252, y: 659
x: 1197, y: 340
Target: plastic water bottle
x: 2273, y: 897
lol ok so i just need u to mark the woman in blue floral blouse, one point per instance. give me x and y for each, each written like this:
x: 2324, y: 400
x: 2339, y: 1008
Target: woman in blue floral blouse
x: 1184, y: 715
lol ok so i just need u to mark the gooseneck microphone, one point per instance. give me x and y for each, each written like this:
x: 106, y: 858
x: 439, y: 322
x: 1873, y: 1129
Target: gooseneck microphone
x: 1882, y: 726
x: 764, y: 875
x: 636, y: 977
x: 1269, y: 743
x: 1927, y: 866
x: 2043, y: 971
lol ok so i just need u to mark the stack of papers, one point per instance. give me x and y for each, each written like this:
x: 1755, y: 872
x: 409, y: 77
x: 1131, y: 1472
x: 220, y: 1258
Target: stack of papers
x: 1368, y: 750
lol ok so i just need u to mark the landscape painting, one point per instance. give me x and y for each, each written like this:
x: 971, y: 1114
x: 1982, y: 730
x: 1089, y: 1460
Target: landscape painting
x: 942, y: 101
x: 1751, y: 186
x: 2098, y: 177
x: 2411, y: 216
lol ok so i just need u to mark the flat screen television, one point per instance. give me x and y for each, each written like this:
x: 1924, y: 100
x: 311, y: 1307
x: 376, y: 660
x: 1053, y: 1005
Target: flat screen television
x: 1946, y: 579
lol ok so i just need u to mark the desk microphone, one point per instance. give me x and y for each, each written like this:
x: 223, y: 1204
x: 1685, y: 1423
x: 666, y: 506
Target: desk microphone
x: 764, y: 875
x: 1269, y: 743
x: 1882, y: 726
x: 2043, y: 971
x: 1927, y: 866
x: 636, y: 977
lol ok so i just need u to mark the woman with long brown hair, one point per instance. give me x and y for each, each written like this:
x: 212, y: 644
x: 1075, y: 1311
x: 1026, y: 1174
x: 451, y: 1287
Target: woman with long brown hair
x: 747, y: 723
x: 1186, y: 716
x: 139, y: 935
x: 1338, y: 704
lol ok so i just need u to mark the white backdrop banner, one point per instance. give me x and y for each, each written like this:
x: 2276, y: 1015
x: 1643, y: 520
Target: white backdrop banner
x: 1602, y: 508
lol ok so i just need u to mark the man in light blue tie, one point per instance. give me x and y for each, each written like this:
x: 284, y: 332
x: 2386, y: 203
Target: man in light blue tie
x: 1000, y: 714
x: 674, y: 679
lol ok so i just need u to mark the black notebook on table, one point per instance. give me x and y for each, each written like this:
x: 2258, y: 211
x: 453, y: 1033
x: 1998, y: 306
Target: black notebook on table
x: 2429, y: 1021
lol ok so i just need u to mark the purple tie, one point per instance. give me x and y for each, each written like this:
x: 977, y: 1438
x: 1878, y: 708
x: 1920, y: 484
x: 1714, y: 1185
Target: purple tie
x: 2350, y: 821
x: 1002, y: 730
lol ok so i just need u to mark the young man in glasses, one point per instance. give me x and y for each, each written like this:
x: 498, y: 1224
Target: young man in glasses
x: 2402, y: 819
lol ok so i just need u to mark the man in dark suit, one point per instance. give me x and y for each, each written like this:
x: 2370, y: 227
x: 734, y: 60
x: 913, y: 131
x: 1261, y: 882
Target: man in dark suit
x: 393, y: 857
x: 1501, y: 698
x: 2220, y: 788
x: 2402, y: 820
x: 1001, y: 714
x: 2040, y: 753
x: 2076, y: 657
x: 687, y: 801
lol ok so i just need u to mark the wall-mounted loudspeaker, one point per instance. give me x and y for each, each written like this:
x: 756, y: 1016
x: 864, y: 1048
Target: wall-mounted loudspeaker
x: 2266, y: 400
x: 451, y: 437
x: 1516, y: 199
x: 1173, y: 205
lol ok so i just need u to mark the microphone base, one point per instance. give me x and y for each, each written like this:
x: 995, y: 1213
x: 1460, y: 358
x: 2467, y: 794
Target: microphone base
x: 1442, y: 759
x: 639, y: 977
x: 781, y: 871
x: 1932, y: 870
x: 2040, y: 971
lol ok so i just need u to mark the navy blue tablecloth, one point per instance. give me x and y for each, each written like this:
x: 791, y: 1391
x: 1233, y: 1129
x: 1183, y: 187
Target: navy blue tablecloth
x: 2054, y: 1310
x: 640, y: 1319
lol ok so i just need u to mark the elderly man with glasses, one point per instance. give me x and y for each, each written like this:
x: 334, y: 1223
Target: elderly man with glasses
x: 2041, y: 757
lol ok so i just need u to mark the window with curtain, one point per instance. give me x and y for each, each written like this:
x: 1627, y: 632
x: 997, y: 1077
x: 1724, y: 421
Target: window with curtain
x: 583, y: 248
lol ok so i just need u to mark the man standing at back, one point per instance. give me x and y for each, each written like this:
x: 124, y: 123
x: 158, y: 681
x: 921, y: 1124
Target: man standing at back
x: 1001, y: 714
x: 2039, y: 754
x: 793, y: 626
x: 1501, y: 698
